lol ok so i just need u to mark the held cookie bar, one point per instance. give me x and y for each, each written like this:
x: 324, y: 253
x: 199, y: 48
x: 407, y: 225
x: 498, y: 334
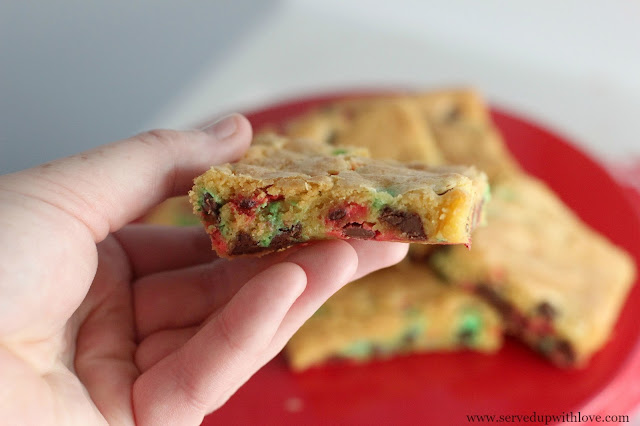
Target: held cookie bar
x: 558, y: 284
x: 397, y: 310
x: 288, y: 191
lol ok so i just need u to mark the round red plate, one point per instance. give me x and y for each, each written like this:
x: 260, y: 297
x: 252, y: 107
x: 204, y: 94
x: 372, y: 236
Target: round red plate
x: 442, y: 389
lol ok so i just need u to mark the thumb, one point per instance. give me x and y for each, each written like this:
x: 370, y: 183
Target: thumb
x: 111, y: 185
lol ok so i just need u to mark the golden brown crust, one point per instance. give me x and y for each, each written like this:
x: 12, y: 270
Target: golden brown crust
x: 401, y: 309
x: 464, y: 132
x: 441, y: 127
x: 390, y: 128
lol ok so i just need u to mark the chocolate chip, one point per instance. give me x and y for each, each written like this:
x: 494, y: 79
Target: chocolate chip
x: 295, y: 230
x: 335, y: 360
x: 349, y: 113
x: 245, y: 245
x: 563, y: 354
x: 280, y: 241
x: 547, y: 311
x: 210, y: 207
x: 286, y: 237
x: 409, y: 224
x: 489, y: 294
x: 560, y: 352
x: 355, y: 230
x: 409, y: 339
x: 337, y: 214
x: 247, y: 204
x: 332, y: 137
x: 444, y: 192
x: 465, y: 337
x: 454, y: 114
x: 377, y: 351
x: 514, y: 321
x: 392, y: 217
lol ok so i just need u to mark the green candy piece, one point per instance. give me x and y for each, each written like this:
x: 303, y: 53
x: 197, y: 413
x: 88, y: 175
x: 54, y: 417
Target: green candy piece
x: 411, y: 311
x: 339, y: 151
x: 546, y: 345
x: 471, y: 323
x: 215, y: 196
x: 391, y: 191
x: 271, y: 212
x: 416, y: 329
x: 377, y: 203
x: 274, y: 208
x: 224, y: 229
x: 487, y: 193
x: 266, y: 240
x: 360, y: 349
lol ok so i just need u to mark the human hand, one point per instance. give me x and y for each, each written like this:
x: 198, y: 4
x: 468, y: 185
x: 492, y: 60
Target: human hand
x: 104, y: 322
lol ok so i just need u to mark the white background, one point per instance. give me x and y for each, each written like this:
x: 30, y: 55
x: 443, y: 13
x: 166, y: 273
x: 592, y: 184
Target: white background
x: 573, y: 65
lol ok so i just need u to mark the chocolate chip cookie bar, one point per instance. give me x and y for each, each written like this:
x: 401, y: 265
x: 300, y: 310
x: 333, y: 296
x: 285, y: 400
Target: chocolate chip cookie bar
x: 465, y: 133
x: 439, y: 127
x: 287, y: 191
x: 558, y: 284
x: 398, y: 310
x: 389, y: 127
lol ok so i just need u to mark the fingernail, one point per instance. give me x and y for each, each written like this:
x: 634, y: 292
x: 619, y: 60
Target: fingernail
x: 223, y: 128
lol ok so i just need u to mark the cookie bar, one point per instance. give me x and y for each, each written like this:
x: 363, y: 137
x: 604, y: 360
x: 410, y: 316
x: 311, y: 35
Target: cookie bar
x: 464, y: 132
x: 558, y: 284
x: 389, y: 127
x: 398, y: 310
x: 439, y: 127
x: 287, y: 191
x: 176, y: 211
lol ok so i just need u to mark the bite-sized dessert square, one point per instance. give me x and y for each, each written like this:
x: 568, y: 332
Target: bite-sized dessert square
x: 436, y: 127
x: 558, y: 284
x: 286, y: 191
x: 389, y: 127
x: 397, y: 310
x: 464, y: 132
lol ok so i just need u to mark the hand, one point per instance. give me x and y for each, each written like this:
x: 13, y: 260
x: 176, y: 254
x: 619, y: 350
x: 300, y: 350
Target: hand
x: 104, y: 322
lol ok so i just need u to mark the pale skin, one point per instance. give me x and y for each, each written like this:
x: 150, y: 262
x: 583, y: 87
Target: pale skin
x: 107, y: 322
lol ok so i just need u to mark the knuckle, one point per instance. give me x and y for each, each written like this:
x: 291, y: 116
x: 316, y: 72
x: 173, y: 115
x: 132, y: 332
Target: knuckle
x: 194, y: 396
x: 159, y: 137
x: 231, y: 338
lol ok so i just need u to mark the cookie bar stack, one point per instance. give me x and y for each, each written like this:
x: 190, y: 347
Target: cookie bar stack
x: 554, y: 283
x: 534, y: 272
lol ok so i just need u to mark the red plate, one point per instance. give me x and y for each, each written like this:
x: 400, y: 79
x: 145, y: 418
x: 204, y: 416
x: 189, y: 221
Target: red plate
x: 442, y: 389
